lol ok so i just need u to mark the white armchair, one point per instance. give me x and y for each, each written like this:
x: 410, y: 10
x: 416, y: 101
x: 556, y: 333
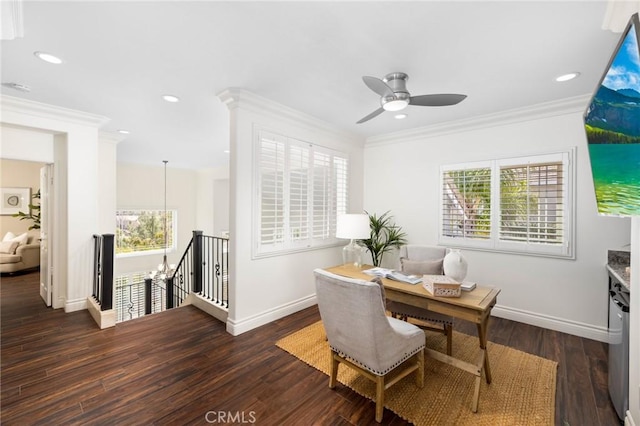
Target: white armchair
x: 423, y: 260
x: 363, y: 337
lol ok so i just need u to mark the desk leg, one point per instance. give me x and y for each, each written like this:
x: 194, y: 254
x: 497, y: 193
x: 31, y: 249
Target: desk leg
x: 482, y: 335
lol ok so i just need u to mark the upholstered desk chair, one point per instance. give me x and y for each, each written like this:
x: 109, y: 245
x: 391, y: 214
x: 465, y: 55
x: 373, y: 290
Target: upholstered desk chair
x: 362, y: 337
x: 423, y: 260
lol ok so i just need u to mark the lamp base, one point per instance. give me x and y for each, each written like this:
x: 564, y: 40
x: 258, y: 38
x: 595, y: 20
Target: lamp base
x: 352, y: 254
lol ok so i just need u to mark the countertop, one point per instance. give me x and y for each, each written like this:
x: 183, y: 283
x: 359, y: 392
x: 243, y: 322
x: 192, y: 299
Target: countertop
x: 617, y: 263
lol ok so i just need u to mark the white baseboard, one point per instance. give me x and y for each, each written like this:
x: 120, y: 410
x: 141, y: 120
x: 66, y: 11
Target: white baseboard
x: 206, y: 306
x: 75, y: 305
x: 628, y: 420
x: 575, y: 328
x: 236, y: 327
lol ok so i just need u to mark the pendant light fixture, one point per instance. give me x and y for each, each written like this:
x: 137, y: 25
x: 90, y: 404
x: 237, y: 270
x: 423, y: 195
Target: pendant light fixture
x: 165, y: 270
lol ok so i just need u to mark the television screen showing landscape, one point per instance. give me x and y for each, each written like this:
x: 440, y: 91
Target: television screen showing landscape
x: 612, y: 123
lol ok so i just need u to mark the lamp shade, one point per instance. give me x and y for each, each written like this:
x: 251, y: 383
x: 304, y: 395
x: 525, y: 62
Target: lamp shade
x: 353, y: 226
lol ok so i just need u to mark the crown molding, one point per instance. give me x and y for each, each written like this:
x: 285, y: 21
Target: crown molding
x: 110, y: 137
x: 618, y: 13
x: 52, y: 112
x: 533, y: 112
x: 236, y: 98
x: 11, y: 13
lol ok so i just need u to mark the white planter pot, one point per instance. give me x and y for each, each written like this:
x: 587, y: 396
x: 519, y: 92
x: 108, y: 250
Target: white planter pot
x: 455, y: 265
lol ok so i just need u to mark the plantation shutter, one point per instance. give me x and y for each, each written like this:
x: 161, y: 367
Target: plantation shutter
x: 272, y: 168
x: 466, y: 203
x: 301, y: 190
x: 298, y: 172
x: 532, y: 201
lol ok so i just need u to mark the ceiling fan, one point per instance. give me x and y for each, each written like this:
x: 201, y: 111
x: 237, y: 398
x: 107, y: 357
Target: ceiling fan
x: 395, y: 97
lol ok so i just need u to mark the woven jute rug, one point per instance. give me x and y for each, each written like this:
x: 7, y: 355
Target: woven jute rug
x: 522, y: 391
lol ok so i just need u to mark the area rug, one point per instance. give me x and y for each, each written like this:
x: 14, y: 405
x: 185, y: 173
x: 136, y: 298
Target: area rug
x: 522, y: 391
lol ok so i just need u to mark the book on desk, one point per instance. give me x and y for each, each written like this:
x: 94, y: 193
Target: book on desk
x: 393, y: 275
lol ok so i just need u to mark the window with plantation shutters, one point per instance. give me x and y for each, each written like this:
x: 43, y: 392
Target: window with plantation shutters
x: 515, y: 204
x: 301, y: 189
x: 466, y: 202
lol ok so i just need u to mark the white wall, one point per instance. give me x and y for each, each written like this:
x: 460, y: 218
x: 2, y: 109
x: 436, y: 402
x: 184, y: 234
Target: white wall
x: 402, y: 175
x: 266, y: 289
x: 212, y: 204
x: 35, y: 145
x: 221, y: 206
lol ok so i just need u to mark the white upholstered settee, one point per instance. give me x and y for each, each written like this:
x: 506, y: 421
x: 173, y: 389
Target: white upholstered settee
x: 21, y: 252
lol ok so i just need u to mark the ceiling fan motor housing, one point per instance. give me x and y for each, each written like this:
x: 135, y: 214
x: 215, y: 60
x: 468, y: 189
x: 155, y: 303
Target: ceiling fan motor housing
x: 397, y: 82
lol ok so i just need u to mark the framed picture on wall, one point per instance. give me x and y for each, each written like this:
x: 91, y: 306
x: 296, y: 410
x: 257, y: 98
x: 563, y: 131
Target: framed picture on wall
x: 14, y: 200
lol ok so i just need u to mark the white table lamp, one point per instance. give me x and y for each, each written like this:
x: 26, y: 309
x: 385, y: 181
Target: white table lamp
x: 354, y: 227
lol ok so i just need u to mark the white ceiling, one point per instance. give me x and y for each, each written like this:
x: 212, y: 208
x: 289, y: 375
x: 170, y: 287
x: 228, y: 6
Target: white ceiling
x: 120, y: 57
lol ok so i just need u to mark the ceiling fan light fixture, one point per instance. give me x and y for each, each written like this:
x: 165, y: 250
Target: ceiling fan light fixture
x: 395, y: 105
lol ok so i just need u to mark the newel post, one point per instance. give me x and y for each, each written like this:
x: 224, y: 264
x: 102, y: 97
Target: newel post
x: 147, y: 296
x: 106, y: 299
x: 197, y: 261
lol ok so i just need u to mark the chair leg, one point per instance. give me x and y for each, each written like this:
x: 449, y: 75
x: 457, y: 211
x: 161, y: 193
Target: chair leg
x: 379, y: 398
x: 449, y: 330
x: 420, y: 371
x: 334, y: 370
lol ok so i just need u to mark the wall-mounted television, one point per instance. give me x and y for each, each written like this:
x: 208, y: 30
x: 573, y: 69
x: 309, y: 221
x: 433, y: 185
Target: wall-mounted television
x: 612, y: 124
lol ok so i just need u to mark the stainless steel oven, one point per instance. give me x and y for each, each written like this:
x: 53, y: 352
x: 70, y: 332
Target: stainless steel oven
x: 619, y: 346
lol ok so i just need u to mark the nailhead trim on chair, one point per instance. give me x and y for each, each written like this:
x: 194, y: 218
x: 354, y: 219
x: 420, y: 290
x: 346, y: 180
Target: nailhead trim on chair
x: 424, y: 318
x: 378, y: 373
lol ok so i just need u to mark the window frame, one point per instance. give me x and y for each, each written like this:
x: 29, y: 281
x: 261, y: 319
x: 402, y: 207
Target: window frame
x: 337, y: 201
x: 173, y: 246
x: 495, y: 243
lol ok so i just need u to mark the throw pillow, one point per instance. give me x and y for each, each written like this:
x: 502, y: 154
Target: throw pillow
x: 422, y: 267
x: 8, y: 236
x: 8, y: 247
x: 21, y: 239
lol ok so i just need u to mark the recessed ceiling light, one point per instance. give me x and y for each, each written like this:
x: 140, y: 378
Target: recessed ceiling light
x: 226, y: 151
x: 124, y: 132
x: 17, y: 86
x: 400, y: 116
x: 567, y: 77
x: 48, y: 57
x: 171, y: 98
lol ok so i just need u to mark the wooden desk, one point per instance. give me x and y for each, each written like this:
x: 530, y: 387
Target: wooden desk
x: 474, y: 306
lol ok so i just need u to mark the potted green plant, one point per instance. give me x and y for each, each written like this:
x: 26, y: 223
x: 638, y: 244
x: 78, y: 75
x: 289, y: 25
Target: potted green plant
x: 34, y: 212
x: 385, y: 236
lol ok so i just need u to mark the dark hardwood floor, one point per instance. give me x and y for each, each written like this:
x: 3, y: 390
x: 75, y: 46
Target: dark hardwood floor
x: 181, y: 367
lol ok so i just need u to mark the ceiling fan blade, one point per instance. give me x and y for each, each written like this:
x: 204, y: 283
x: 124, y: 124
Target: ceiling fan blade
x: 442, y: 99
x: 372, y: 115
x: 377, y: 85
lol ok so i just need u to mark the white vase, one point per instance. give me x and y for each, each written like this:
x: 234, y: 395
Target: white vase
x: 455, y: 265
